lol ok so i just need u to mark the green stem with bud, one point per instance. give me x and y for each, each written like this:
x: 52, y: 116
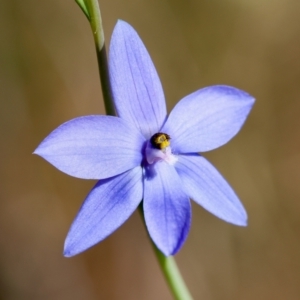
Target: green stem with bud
x: 92, y: 11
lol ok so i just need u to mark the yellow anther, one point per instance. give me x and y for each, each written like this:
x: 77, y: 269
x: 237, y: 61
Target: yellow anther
x: 160, y: 140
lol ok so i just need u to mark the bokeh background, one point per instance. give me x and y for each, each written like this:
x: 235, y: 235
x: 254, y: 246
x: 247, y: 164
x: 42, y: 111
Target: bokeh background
x: 48, y: 75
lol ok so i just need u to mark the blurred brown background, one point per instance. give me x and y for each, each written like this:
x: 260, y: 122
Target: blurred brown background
x: 48, y: 75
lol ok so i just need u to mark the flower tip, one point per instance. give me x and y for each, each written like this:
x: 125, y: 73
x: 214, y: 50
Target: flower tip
x: 39, y: 149
x: 122, y: 23
x: 230, y: 90
x: 68, y: 248
x: 124, y: 29
x: 237, y: 220
x: 68, y: 252
x: 36, y: 152
x: 171, y: 252
x: 251, y: 100
x: 168, y: 250
x: 242, y: 221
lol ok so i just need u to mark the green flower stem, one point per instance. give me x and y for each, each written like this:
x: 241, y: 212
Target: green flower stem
x: 170, y: 270
x: 168, y: 265
x: 92, y: 11
x: 173, y: 276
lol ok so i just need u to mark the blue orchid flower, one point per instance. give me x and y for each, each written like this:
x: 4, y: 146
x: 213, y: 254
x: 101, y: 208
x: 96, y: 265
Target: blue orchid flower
x: 145, y: 155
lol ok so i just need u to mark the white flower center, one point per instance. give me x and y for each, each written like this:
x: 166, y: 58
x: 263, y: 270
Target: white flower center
x: 158, y: 148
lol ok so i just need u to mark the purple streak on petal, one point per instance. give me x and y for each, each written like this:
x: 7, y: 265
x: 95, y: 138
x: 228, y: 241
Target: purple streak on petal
x: 137, y: 91
x: 206, y: 186
x: 207, y: 119
x: 167, y: 208
x: 109, y: 204
x: 93, y: 147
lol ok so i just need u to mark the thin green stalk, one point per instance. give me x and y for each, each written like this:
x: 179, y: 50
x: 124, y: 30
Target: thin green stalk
x: 92, y: 11
x: 96, y: 22
x: 172, y: 274
x: 170, y: 270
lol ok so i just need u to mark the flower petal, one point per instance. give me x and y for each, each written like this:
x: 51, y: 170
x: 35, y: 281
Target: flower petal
x: 93, y: 147
x: 108, y: 206
x: 167, y: 208
x: 206, y: 186
x: 207, y: 119
x: 137, y: 91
